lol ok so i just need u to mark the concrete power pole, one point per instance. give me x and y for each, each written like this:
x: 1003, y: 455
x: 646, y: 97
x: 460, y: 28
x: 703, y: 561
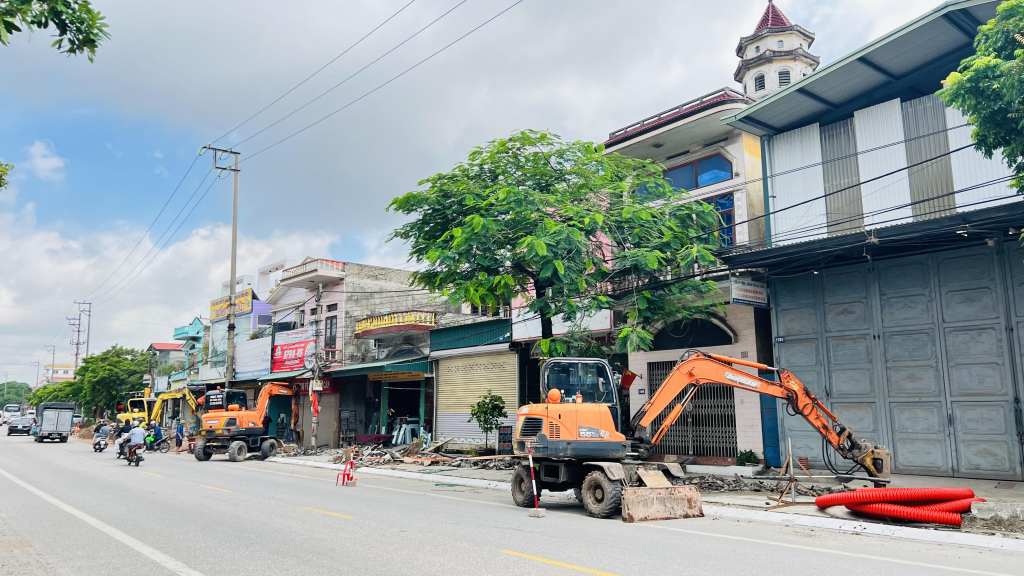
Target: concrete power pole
x: 229, y: 367
x: 35, y: 363
x: 86, y: 308
x: 53, y: 359
x: 76, y: 323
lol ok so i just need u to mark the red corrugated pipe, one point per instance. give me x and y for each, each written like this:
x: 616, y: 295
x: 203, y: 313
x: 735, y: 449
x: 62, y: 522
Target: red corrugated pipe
x: 895, y: 511
x: 893, y: 495
x: 953, y: 505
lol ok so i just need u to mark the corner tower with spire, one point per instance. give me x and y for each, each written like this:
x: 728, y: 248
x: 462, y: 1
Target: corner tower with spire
x: 775, y: 55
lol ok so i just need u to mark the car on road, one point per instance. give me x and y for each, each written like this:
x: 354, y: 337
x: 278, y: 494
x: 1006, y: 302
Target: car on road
x: 19, y: 426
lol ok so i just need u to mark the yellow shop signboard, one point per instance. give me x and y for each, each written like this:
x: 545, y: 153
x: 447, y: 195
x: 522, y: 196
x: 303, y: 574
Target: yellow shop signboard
x: 243, y: 305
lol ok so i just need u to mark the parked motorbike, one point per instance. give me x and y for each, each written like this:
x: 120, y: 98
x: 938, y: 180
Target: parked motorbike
x: 134, y: 455
x: 99, y: 445
x: 162, y: 445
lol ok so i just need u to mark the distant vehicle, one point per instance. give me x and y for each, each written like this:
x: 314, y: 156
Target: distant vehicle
x: 76, y: 419
x: 19, y: 426
x: 30, y: 414
x: 55, y: 423
x: 11, y: 411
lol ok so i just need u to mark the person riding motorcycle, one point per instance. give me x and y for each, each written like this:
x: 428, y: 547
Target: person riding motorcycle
x: 102, y: 431
x: 122, y: 437
x: 137, y: 441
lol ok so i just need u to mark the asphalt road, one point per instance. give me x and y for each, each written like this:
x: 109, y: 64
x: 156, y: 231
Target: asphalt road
x: 67, y: 510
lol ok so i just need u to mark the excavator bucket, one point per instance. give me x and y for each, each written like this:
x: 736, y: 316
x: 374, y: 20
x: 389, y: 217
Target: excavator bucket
x: 659, y: 499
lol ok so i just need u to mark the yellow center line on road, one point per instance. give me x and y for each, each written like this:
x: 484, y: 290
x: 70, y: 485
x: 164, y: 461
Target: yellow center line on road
x: 325, y: 512
x: 557, y: 563
x: 214, y: 488
x: 84, y: 458
x: 823, y: 550
x: 107, y: 464
x: 157, y: 475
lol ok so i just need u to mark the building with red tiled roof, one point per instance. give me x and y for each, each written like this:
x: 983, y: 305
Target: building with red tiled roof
x: 167, y: 353
x: 775, y: 55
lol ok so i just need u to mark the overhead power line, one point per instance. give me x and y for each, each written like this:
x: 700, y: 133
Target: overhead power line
x: 393, y: 78
x: 308, y: 78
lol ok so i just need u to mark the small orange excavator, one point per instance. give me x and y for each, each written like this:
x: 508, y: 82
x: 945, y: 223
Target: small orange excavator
x: 229, y: 427
x: 575, y: 442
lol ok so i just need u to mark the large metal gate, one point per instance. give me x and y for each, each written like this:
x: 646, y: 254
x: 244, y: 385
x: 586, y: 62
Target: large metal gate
x: 706, y: 428
x: 914, y: 353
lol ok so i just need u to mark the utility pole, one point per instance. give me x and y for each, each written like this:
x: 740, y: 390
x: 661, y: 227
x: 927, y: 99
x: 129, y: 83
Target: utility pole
x: 86, y: 308
x: 229, y: 367
x: 315, y: 384
x: 76, y: 323
x: 36, y: 383
x: 53, y: 359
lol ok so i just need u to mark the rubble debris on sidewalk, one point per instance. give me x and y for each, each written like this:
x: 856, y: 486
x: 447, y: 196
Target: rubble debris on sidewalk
x: 713, y: 483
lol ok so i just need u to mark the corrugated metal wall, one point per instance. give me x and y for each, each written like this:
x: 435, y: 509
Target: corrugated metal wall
x: 971, y: 168
x: 840, y: 171
x: 791, y: 150
x: 461, y: 382
x: 931, y: 184
x: 474, y: 334
x: 876, y: 126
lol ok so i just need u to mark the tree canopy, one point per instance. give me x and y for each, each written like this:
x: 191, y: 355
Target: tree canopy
x: 80, y: 28
x: 100, y: 382
x: 16, y: 393
x: 567, y: 227
x: 988, y: 88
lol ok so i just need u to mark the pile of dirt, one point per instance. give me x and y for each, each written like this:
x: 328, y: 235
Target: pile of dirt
x: 86, y: 433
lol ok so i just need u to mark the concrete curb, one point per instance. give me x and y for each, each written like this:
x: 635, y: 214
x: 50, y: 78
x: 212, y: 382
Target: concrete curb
x: 870, y: 528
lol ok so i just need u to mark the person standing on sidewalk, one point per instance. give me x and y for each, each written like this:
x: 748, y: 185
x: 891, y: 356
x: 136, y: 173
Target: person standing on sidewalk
x: 179, y: 436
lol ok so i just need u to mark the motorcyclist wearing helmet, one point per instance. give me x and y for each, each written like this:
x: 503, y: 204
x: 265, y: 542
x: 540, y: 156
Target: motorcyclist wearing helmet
x: 102, y: 431
x: 122, y: 437
x: 136, y: 439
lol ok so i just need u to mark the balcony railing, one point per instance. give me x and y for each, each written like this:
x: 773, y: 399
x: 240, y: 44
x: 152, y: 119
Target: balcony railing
x: 311, y: 266
x: 395, y: 321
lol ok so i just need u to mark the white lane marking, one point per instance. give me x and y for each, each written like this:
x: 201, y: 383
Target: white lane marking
x: 144, y: 549
x: 824, y: 550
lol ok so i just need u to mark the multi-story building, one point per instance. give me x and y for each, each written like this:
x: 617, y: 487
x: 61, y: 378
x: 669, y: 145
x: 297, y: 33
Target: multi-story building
x: 191, y: 338
x: 58, y: 373
x: 893, y: 254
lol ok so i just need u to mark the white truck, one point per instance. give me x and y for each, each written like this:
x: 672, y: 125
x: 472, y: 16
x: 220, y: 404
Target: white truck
x: 55, y: 421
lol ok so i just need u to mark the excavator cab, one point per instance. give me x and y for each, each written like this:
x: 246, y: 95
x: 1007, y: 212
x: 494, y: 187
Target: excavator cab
x: 589, y: 379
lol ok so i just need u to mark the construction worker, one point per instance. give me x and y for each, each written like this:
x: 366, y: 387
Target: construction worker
x: 179, y: 436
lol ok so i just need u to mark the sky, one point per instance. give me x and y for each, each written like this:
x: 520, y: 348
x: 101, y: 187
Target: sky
x: 100, y: 148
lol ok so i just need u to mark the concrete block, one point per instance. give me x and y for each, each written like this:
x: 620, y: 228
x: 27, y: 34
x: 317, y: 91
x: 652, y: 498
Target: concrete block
x: 1004, y: 510
x: 644, y: 504
x: 536, y: 512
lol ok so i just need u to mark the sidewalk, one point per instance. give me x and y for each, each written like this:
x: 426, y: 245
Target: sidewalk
x: 749, y: 505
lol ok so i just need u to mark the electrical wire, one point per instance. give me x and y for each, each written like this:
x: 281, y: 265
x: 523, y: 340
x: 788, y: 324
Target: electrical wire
x: 393, y: 78
x: 308, y: 78
x: 353, y: 75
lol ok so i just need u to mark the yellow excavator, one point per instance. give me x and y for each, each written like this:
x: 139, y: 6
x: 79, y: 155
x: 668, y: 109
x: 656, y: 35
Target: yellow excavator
x: 143, y: 407
x: 574, y: 442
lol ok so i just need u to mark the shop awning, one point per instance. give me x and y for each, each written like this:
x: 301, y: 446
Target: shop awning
x: 416, y: 364
x: 283, y: 375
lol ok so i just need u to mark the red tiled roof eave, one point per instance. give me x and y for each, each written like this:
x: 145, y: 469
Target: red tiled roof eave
x: 730, y: 97
x: 772, y: 18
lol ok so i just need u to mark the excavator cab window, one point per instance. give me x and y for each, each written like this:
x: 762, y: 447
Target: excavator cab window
x: 236, y: 397
x: 590, y: 379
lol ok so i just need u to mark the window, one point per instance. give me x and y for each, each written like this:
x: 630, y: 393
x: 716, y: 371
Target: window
x: 331, y: 336
x: 783, y: 77
x: 703, y: 172
x: 758, y: 82
x: 373, y: 344
x: 757, y: 49
x: 332, y: 307
x: 312, y: 311
x: 231, y: 422
x: 780, y: 44
x: 723, y: 204
x: 300, y: 317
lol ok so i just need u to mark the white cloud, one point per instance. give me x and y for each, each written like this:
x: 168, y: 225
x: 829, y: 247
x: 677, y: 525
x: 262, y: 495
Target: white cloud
x: 377, y: 252
x: 43, y: 161
x: 177, y: 286
x: 158, y: 154
x: 9, y: 195
x: 116, y: 152
x: 161, y: 171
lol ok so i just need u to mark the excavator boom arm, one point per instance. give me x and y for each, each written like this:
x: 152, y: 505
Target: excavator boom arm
x: 700, y: 368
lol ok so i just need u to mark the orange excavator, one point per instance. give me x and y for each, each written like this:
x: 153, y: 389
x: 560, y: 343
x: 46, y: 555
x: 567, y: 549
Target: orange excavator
x: 574, y: 442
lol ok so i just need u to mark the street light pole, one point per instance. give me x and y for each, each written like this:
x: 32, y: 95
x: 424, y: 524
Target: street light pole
x: 229, y: 368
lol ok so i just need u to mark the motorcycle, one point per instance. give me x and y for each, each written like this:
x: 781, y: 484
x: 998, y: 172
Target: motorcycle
x: 99, y: 445
x: 135, y: 455
x: 122, y: 447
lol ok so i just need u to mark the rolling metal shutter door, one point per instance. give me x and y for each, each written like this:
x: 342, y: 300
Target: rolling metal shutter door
x: 461, y: 382
x: 916, y: 357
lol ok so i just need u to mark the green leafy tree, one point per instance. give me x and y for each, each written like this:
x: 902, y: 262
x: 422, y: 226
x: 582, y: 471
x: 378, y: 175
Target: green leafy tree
x: 100, y: 382
x: 989, y: 88
x: 15, y: 393
x: 80, y: 28
x: 488, y: 413
x: 569, y: 228
x: 5, y: 169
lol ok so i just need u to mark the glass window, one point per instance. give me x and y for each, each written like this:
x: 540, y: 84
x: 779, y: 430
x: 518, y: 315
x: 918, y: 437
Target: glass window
x: 331, y: 336
x: 683, y: 177
x: 758, y: 82
x: 590, y: 379
x: 713, y: 169
x: 757, y: 49
x: 723, y: 204
x: 780, y: 43
x: 783, y: 77
x: 332, y: 307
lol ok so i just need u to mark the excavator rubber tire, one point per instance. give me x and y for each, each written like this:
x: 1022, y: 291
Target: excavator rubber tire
x: 201, y: 453
x: 602, y: 497
x: 236, y: 451
x: 578, y: 494
x: 268, y: 449
x: 522, y: 487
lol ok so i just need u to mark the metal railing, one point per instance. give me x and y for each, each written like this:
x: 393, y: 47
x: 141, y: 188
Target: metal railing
x: 318, y: 264
x: 706, y: 428
x: 662, y: 115
x: 408, y: 318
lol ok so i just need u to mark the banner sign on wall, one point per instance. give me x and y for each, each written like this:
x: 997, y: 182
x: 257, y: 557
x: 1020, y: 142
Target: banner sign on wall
x: 749, y: 293
x: 243, y: 305
x: 293, y: 350
x: 252, y: 358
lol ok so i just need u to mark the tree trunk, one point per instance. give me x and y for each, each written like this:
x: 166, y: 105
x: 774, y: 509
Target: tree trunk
x: 546, y: 331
